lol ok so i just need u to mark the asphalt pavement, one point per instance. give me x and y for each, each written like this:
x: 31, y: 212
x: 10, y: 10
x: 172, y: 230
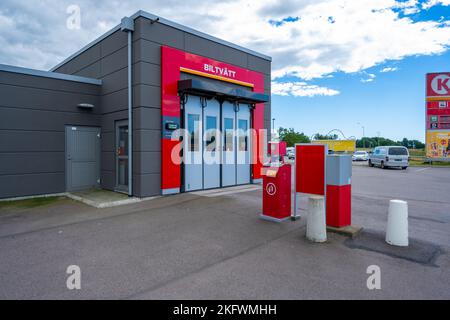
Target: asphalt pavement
x: 193, y: 246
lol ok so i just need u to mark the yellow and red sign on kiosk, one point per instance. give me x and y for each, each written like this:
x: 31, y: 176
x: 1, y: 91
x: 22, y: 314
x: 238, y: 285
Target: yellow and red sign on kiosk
x: 438, y: 116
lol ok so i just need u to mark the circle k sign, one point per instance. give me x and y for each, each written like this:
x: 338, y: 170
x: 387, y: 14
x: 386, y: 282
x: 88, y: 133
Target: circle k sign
x: 271, y: 189
x: 440, y: 84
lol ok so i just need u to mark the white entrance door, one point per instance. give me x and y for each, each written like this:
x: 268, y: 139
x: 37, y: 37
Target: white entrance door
x: 229, y: 145
x: 193, y: 146
x: 243, y: 145
x: 211, y: 145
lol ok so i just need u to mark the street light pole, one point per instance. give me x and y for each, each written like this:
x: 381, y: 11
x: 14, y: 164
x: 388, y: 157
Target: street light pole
x: 364, y: 134
x: 273, y: 126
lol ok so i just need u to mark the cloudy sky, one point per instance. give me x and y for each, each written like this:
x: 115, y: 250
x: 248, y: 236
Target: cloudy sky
x: 336, y: 63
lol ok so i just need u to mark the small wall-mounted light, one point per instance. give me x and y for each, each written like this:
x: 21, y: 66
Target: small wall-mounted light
x: 154, y: 21
x: 86, y: 106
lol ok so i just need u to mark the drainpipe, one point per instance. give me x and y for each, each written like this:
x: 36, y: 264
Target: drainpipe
x: 127, y: 25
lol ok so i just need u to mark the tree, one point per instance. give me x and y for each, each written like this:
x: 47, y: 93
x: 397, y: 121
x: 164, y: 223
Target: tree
x: 319, y: 136
x: 380, y: 141
x: 375, y: 142
x: 291, y: 137
x: 412, y: 144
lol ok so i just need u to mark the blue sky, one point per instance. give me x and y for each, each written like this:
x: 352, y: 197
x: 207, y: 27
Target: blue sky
x: 392, y: 105
x: 335, y: 62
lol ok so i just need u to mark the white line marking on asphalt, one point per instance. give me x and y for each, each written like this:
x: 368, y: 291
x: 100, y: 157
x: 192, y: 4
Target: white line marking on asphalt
x: 420, y: 170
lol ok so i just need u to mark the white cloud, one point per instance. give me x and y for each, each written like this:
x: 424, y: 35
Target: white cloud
x: 430, y: 3
x: 329, y: 36
x: 408, y: 7
x: 6, y: 22
x: 369, y: 78
x: 301, y: 89
x: 365, y: 33
x: 388, y: 69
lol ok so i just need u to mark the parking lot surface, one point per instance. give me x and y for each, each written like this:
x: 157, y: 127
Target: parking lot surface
x: 193, y: 246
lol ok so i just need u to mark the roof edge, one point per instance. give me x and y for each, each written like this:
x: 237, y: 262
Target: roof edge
x: 49, y: 74
x: 169, y: 23
x: 178, y: 26
x: 86, y: 47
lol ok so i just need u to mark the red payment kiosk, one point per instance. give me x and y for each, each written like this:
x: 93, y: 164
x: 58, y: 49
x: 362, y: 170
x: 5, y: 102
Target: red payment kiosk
x: 316, y: 173
x: 276, y: 186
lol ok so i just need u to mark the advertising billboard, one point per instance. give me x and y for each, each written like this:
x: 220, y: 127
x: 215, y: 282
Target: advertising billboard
x: 437, y: 116
x: 438, y: 145
x: 338, y: 145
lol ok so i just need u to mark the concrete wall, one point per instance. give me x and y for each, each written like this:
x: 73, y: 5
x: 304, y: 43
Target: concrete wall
x: 107, y: 60
x: 33, y: 114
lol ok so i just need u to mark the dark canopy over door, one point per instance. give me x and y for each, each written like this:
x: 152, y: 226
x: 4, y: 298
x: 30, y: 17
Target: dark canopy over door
x: 209, y: 89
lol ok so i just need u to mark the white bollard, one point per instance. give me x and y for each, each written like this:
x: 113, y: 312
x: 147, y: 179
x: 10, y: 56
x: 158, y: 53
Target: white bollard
x: 397, y: 226
x: 316, y: 228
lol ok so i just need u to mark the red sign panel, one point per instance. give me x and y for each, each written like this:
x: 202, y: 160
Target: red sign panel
x: 310, y: 169
x: 173, y: 63
x: 438, y: 85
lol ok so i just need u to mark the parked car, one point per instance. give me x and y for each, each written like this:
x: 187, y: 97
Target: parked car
x: 390, y: 156
x: 290, y: 152
x: 360, y: 156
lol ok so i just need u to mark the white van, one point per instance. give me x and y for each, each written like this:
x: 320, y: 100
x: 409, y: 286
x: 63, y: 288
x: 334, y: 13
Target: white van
x: 290, y: 153
x: 390, y: 156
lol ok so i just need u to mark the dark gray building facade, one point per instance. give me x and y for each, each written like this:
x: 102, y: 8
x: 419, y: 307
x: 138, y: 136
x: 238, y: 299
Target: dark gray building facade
x: 67, y: 129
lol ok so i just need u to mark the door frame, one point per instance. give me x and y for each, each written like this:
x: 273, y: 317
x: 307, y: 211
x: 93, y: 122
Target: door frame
x: 117, y: 125
x: 184, y: 101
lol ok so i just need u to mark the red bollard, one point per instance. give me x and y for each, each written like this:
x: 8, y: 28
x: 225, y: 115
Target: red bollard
x: 339, y: 191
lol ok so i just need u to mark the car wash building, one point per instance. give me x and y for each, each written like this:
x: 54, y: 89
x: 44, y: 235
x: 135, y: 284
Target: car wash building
x: 107, y: 116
